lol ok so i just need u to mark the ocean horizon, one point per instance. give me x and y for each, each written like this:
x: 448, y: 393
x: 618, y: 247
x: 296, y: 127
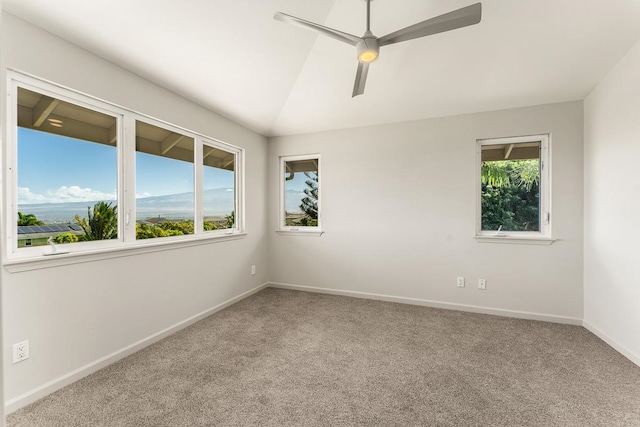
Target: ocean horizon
x: 218, y: 203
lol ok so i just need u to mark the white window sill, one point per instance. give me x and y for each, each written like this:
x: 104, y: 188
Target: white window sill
x: 300, y: 232
x: 17, y: 265
x: 516, y: 240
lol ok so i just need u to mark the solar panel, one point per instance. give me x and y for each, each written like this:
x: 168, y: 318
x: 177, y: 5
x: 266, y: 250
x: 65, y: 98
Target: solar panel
x: 34, y: 229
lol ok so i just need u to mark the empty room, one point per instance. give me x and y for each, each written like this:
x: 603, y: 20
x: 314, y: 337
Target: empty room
x: 328, y: 212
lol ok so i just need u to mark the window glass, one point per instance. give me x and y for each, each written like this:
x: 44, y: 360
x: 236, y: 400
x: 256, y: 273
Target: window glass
x: 218, y: 201
x: 301, y: 197
x: 67, y: 165
x: 164, y: 182
x: 511, y: 186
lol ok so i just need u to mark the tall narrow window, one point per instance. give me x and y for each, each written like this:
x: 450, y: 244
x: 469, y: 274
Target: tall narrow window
x: 218, y: 202
x: 514, y: 186
x: 300, y: 193
x: 165, y: 204
x: 67, y: 171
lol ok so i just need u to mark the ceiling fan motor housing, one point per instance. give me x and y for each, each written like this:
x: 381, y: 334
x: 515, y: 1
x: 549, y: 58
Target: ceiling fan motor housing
x: 368, y: 48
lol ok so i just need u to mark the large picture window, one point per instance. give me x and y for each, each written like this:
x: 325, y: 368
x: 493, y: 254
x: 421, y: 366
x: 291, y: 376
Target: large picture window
x: 513, y: 183
x: 300, y: 193
x: 80, y: 179
x: 67, y: 171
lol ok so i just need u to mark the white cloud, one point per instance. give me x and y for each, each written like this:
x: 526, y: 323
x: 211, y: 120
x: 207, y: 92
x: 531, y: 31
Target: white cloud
x: 25, y: 196
x: 63, y: 194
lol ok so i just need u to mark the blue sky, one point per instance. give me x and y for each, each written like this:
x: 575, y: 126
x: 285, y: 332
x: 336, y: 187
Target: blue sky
x: 57, y: 169
x: 298, y: 183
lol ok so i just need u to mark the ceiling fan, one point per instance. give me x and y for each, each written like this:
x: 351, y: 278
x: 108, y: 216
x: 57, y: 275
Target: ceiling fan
x: 368, y: 46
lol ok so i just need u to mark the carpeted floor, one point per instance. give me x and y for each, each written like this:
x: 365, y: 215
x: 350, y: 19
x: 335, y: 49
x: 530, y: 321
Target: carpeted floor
x: 286, y: 358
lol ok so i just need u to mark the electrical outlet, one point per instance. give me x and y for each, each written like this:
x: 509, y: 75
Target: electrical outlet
x: 253, y: 270
x: 20, y: 351
x: 460, y: 282
x: 482, y: 284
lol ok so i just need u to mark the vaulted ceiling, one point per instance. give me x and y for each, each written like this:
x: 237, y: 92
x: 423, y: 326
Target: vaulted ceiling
x: 232, y: 57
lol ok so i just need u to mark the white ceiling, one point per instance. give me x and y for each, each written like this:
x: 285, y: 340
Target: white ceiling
x: 235, y: 59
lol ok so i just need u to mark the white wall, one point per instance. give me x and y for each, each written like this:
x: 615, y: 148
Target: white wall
x: 612, y: 207
x: 398, y: 206
x: 76, y: 315
x: 1, y: 253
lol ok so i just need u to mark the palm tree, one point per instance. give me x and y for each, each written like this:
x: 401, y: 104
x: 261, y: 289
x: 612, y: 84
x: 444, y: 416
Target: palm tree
x: 101, y: 224
x: 28, y: 219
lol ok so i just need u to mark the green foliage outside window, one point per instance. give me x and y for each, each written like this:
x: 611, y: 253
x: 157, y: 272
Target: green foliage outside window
x: 28, y: 219
x: 101, y: 222
x: 510, y: 197
x: 309, y: 203
x: 65, y: 238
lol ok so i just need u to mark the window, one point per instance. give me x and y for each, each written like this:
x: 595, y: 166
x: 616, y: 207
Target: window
x: 513, y: 182
x: 300, y: 193
x: 218, y: 177
x: 165, y: 204
x: 84, y: 175
x: 67, y: 170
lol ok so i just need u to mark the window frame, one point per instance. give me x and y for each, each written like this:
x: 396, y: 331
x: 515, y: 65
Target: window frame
x: 302, y: 230
x: 544, y: 235
x: 126, y: 177
x: 238, y: 224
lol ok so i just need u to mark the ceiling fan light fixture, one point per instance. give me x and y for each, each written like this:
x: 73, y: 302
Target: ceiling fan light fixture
x: 368, y: 56
x: 368, y: 49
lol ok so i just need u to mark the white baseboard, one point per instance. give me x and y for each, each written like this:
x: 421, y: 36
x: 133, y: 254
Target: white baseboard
x: 18, y: 402
x: 613, y: 343
x: 435, y: 304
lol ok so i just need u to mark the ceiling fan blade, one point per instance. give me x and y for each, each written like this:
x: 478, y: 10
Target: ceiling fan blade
x: 361, y: 79
x: 330, y: 32
x: 464, y: 17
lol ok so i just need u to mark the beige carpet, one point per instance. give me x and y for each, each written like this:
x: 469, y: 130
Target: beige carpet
x: 285, y: 358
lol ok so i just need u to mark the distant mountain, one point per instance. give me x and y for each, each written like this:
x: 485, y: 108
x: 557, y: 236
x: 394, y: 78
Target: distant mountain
x: 217, y: 202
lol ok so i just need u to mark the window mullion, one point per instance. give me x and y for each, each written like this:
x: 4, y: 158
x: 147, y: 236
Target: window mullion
x: 128, y: 178
x: 199, y: 187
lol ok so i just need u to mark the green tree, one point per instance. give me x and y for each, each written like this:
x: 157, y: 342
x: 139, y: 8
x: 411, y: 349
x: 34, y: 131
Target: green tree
x: 28, y: 219
x: 309, y: 203
x: 511, y: 195
x: 101, y: 223
x: 183, y: 227
x: 502, y: 173
x: 150, y: 231
x: 209, y: 225
x: 65, y: 238
x: 231, y: 219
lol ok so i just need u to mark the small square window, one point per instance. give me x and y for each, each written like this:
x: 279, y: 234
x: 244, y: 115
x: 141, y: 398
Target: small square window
x: 513, y: 187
